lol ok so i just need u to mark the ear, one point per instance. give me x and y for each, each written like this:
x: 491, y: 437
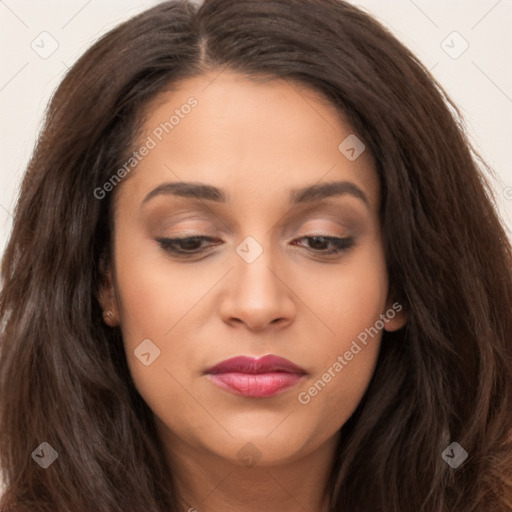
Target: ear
x: 107, y: 297
x: 396, y: 316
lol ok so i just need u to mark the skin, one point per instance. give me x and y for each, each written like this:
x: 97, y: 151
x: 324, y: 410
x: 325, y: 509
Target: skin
x: 257, y: 141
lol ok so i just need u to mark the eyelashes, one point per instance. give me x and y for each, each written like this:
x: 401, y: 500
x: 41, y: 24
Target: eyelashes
x: 192, y: 245
x: 184, y: 246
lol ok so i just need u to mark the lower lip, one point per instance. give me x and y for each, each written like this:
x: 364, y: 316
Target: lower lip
x: 260, y: 385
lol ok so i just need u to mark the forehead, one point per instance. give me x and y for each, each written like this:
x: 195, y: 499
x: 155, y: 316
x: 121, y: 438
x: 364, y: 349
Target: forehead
x: 246, y: 136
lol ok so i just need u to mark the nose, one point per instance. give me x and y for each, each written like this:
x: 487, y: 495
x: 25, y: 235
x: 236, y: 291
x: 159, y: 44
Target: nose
x: 258, y: 294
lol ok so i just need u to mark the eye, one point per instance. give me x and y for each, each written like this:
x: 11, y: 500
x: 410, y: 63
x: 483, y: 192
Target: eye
x: 193, y: 245
x: 189, y: 245
x: 318, y: 244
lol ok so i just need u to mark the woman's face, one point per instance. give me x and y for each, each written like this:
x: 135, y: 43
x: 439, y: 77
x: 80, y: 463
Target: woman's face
x: 262, y: 285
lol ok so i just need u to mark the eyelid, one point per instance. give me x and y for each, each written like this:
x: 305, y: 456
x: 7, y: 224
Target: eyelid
x: 161, y: 217
x: 182, y: 227
x: 346, y: 218
x: 341, y: 229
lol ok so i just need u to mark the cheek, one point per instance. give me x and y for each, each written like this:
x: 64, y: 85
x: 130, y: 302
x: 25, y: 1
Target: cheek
x: 348, y: 300
x: 166, y: 303
x: 346, y: 355
x: 331, y: 397
x: 154, y: 300
x: 154, y: 294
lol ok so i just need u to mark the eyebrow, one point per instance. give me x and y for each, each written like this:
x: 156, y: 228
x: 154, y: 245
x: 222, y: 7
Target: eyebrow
x: 298, y: 196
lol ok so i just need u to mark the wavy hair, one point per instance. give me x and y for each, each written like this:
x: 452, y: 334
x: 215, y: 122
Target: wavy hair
x: 446, y: 376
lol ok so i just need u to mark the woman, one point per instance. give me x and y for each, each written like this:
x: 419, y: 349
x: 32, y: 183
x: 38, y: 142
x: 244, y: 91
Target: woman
x: 255, y: 266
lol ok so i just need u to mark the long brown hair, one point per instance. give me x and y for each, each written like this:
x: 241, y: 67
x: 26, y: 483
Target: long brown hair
x: 445, y: 377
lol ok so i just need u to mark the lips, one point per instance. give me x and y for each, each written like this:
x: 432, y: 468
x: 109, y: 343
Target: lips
x: 256, y: 378
x: 266, y: 364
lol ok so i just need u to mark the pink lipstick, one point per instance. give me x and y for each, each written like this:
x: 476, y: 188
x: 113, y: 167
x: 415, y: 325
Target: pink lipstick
x: 256, y: 378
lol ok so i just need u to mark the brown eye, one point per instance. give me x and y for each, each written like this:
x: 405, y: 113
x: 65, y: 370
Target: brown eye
x: 319, y: 244
x: 183, y: 246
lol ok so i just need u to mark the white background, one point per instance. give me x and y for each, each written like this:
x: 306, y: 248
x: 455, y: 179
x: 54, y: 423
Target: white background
x: 479, y: 80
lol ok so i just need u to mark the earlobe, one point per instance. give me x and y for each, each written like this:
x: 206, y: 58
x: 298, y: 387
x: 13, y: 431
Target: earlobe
x: 396, y: 315
x: 109, y: 318
x: 107, y: 300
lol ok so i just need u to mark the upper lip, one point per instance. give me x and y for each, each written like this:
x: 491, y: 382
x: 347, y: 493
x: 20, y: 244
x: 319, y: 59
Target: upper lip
x: 265, y: 364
